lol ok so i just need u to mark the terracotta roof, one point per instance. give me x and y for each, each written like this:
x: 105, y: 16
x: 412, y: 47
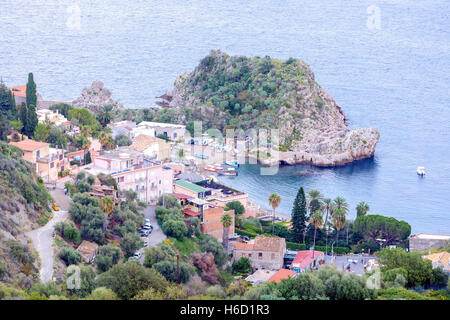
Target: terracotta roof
x: 191, y: 213
x: 304, y: 258
x: 244, y: 246
x: 29, y: 145
x: 440, y: 257
x: 19, y: 91
x: 263, y: 243
x: 142, y: 142
x: 282, y: 274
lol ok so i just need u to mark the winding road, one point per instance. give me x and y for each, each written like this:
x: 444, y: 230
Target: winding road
x: 42, y: 238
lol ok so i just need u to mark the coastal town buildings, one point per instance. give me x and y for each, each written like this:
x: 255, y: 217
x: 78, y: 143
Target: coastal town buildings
x: 152, y: 147
x: 174, y: 132
x: 425, y: 241
x: 263, y: 252
x: 122, y: 127
x: 48, y: 162
x: 189, y: 189
x: 306, y: 260
x: 49, y: 116
x: 20, y: 94
x: 440, y: 260
x: 133, y: 171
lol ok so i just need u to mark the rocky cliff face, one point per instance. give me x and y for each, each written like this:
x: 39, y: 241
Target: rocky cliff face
x: 264, y: 93
x: 95, y: 98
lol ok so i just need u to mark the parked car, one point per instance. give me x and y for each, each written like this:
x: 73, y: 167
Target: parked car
x: 136, y: 256
x: 147, y: 221
x: 145, y: 243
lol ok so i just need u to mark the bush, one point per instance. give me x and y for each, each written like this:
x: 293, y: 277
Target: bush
x: 242, y: 266
x: 168, y: 269
x: 107, y: 257
x: 131, y: 242
x: 236, y: 206
x: 210, y: 244
x: 439, y: 278
x: 175, y: 228
x: 70, y: 256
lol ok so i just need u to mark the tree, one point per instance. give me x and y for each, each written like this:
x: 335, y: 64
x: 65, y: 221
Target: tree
x: 315, y: 201
x: 372, y: 227
x: 299, y: 215
x: 237, y: 206
x: 31, y: 92
x: 362, y: 208
x: 5, y: 127
x: 87, y: 158
x: 327, y: 205
x: 7, y: 103
x: 107, y: 206
x: 168, y: 269
x: 41, y: 132
x: 106, y: 140
x: 70, y: 256
x: 210, y: 244
x: 338, y: 221
x: 87, y: 279
x: 242, y: 265
x: 105, y: 116
x: 127, y: 279
x: 122, y: 140
x: 102, y: 293
x: 131, y: 242
x: 175, y: 228
x: 31, y: 120
x: 341, y: 203
x: 316, y: 220
x: 107, y: 257
x: 227, y: 221
x: 418, y: 271
x: 274, y: 201
x: 180, y: 153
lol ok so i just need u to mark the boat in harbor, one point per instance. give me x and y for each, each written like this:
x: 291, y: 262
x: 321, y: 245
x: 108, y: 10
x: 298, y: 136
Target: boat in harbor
x: 231, y: 163
x: 228, y: 172
x: 210, y: 168
x: 421, y: 171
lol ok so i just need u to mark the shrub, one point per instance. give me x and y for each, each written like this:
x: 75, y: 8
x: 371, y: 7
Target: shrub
x: 107, y: 256
x: 168, y: 269
x: 175, y: 228
x: 70, y: 256
x: 242, y: 266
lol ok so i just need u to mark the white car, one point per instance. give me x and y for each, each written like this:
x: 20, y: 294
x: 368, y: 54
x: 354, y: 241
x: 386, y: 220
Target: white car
x: 136, y: 256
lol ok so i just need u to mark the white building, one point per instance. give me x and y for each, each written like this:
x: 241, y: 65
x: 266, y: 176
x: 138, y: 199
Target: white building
x: 175, y: 132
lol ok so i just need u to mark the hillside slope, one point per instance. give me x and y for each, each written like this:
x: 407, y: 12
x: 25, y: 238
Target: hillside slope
x: 24, y: 204
x: 254, y: 93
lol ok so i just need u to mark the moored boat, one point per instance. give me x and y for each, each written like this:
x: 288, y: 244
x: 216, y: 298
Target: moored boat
x: 421, y: 171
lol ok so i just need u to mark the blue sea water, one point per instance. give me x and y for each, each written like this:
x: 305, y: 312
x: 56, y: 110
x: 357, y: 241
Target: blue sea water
x: 395, y: 77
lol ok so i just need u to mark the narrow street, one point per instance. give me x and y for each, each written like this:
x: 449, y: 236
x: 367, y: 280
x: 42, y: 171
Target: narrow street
x: 42, y: 238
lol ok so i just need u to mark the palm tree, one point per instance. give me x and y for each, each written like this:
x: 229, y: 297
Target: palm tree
x: 315, y: 199
x: 328, y: 207
x: 85, y: 144
x: 362, y: 208
x: 274, y: 201
x: 316, y: 220
x: 341, y: 203
x: 227, y: 221
x: 338, y: 221
x: 107, y: 206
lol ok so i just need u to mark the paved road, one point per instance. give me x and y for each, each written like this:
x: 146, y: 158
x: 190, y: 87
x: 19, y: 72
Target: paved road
x: 42, y: 240
x: 157, y: 236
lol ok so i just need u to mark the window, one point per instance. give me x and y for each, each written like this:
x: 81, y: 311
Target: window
x: 159, y: 181
x: 260, y: 255
x: 174, y: 135
x: 38, y: 153
x: 272, y: 256
x: 249, y: 255
x: 60, y: 157
x: 137, y: 188
x: 52, y: 164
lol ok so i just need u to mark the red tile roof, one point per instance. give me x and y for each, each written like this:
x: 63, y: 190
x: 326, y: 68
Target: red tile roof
x: 282, y: 274
x: 19, y: 91
x: 191, y: 213
x: 243, y: 246
x: 304, y: 258
x: 29, y: 145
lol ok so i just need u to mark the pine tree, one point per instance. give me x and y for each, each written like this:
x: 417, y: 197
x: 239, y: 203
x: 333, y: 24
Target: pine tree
x: 31, y: 91
x: 7, y: 102
x: 23, y: 115
x: 299, y: 215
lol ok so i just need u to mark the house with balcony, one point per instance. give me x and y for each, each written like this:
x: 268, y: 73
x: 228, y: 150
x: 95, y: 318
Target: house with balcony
x: 133, y: 171
x: 48, y: 162
x: 190, y: 189
x: 122, y: 127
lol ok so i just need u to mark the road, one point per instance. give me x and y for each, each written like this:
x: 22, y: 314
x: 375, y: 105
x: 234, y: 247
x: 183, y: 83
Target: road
x: 42, y: 238
x: 157, y: 235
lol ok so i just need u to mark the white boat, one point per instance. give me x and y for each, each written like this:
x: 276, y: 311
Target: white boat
x: 421, y: 171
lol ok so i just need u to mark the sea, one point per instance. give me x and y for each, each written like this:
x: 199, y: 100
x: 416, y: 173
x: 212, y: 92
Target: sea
x: 387, y: 63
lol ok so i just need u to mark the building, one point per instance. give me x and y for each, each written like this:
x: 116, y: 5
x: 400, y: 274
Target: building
x: 306, y: 260
x: 440, y: 260
x: 263, y: 252
x: 175, y: 132
x: 152, y: 147
x: 282, y: 274
x: 132, y: 171
x: 122, y: 127
x: 425, y: 241
x: 20, y: 94
x: 88, y: 251
x: 49, y: 116
x: 189, y: 189
x: 48, y: 162
x: 260, y: 276
x: 211, y: 222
